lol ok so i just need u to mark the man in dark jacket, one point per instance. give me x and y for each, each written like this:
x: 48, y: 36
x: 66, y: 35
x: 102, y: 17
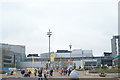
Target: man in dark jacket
x: 22, y: 72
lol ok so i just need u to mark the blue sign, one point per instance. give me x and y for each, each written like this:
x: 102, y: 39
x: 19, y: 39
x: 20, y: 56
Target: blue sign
x: 4, y: 69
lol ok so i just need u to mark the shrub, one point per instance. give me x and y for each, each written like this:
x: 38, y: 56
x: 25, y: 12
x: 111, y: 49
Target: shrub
x: 78, y: 69
x: 105, y: 71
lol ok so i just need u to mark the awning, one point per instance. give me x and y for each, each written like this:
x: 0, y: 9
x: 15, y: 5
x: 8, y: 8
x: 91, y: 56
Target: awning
x: 117, y: 57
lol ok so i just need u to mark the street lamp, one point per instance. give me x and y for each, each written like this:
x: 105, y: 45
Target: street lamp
x: 82, y: 60
x: 70, y: 51
x: 49, y: 34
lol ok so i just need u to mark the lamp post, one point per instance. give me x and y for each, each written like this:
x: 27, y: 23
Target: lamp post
x: 83, y: 63
x: 82, y: 60
x: 49, y: 34
x: 70, y: 51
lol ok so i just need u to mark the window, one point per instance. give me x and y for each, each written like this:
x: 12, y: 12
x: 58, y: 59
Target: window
x: 90, y: 63
x: 6, y: 65
x: 8, y: 57
x: 7, y: 61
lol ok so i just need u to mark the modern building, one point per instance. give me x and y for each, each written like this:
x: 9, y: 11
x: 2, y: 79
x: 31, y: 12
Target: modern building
x: 115, y: 45
x: 119, y: 18
x: 76, y: 55
x: 88, y: 63
x: 105, y: 61
x: 33, y: 60
x: 11, y: 55
x: 62, y: 54
x: 60, y: 60
x: 31, y: 56
x: 79, y: 59
x: 46, y: 55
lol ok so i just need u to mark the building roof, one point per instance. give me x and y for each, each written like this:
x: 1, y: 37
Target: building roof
x: 30, y: 55
x: 63, y: 51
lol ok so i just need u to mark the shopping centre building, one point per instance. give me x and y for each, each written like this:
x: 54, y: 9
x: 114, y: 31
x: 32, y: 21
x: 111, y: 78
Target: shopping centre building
x: 15, y: 56
x: 78, y: 58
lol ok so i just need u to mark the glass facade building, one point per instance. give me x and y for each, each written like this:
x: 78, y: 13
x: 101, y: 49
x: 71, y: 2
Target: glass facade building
x: 11, y: 55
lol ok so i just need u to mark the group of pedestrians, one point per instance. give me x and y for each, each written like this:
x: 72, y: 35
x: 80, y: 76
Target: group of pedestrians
x: 71, y: 73
x: 65, y: 72
x: 11, y: 72
x: 47, y: 73
x: 25, y: 73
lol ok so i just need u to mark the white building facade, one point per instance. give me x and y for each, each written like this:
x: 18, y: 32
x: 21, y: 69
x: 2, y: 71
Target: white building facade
x: 78, y: 58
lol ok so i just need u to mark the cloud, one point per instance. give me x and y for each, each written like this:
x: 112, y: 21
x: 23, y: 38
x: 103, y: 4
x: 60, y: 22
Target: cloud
x: 86, y: 25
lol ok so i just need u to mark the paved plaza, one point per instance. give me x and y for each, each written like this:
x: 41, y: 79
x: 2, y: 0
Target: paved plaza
x: 82, y: 75
x: 56, y: 75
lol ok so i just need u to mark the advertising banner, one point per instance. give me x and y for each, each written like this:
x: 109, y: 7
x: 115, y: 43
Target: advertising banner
x: 52, y: 56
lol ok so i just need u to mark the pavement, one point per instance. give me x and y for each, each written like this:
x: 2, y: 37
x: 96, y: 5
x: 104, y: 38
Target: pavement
x: 82, y: 75
x: 61, y: 79
x: 55, y: 75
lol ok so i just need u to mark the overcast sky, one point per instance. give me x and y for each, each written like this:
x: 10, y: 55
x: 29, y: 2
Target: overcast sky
x: 86, y: 24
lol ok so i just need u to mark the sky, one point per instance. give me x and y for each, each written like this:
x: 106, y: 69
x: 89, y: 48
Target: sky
x: 85, y: 24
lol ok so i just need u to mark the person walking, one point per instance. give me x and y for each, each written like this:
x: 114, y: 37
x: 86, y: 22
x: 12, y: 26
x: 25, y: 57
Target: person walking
x: 23, y: 72
x: 11, y: 72
x: 51, y: 72
x: 40, y: 75
x: 29, y: 73
x: 65, y: 72
x: 35, y: 72
x: 69, y: 71
x: 48, y: 73
x: 62, y: 72
x: 45, y: 74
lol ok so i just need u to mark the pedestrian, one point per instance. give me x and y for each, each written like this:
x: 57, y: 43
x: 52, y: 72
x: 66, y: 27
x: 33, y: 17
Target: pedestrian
x: 48, y: 73
x: 40, y: 75
x: 79, y: 67
x: 65, y: 72
x: 69, y: 71
x: 23, y: 72
x: 29, y: 73
x: 51, y: 72
x: 11, y: 72
x: 45, y: 74
x: 59, y: 72
x: 62, y: 72
x: 35, y: 72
